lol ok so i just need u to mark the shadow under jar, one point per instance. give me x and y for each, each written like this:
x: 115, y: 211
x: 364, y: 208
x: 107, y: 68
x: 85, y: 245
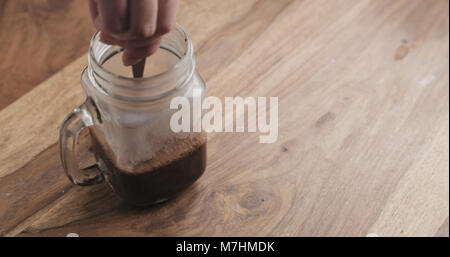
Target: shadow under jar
x: 138, y: 154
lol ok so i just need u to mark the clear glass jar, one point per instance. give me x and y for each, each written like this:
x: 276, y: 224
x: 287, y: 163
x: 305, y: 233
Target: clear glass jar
x: 137, y: 152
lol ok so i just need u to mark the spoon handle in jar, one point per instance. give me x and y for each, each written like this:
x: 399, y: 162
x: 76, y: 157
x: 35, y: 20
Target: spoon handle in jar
x: 138, y: 69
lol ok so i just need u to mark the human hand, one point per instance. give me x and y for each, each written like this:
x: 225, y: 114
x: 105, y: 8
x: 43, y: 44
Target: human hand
x: 135, y: 25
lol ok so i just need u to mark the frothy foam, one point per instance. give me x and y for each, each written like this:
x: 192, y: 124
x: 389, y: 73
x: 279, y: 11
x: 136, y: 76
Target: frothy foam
x: 143, y: 153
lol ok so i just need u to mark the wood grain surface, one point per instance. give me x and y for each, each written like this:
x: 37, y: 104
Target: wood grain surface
x: 37, y: 39
x: 363, y: 88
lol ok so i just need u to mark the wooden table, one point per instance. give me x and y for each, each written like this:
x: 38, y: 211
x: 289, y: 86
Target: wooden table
x: 363, y: 90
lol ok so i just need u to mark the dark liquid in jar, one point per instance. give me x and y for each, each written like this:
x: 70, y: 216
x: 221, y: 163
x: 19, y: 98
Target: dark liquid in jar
x: 158, y: 179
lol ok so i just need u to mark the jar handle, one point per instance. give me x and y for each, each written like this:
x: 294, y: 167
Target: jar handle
x: 75, y: 122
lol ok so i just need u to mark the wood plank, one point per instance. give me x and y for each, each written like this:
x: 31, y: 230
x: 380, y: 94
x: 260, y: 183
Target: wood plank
x: 44, y: 181
x: 39, y: 126
x: 37, y: 39
x: 363, y: 130
x: 423, y: 192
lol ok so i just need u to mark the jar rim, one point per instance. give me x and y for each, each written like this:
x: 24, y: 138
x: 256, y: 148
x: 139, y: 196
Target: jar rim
x: 147, y: 80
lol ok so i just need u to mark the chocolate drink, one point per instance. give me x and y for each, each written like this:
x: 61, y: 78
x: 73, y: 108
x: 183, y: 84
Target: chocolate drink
x: 171, y: 170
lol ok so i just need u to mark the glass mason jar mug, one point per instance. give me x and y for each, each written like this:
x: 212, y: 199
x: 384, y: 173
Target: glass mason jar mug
x: 128, y: 118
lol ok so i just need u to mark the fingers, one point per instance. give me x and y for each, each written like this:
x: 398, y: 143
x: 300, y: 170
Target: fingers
x: 167, y: 14
x: 108, y: 39
x: 110, y: 15
x: 143, y: 17
x: 135, y: 25
x: 133, y: 43
x: 93, y: 10
x: 135, y: 50
x: 132, y: 56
